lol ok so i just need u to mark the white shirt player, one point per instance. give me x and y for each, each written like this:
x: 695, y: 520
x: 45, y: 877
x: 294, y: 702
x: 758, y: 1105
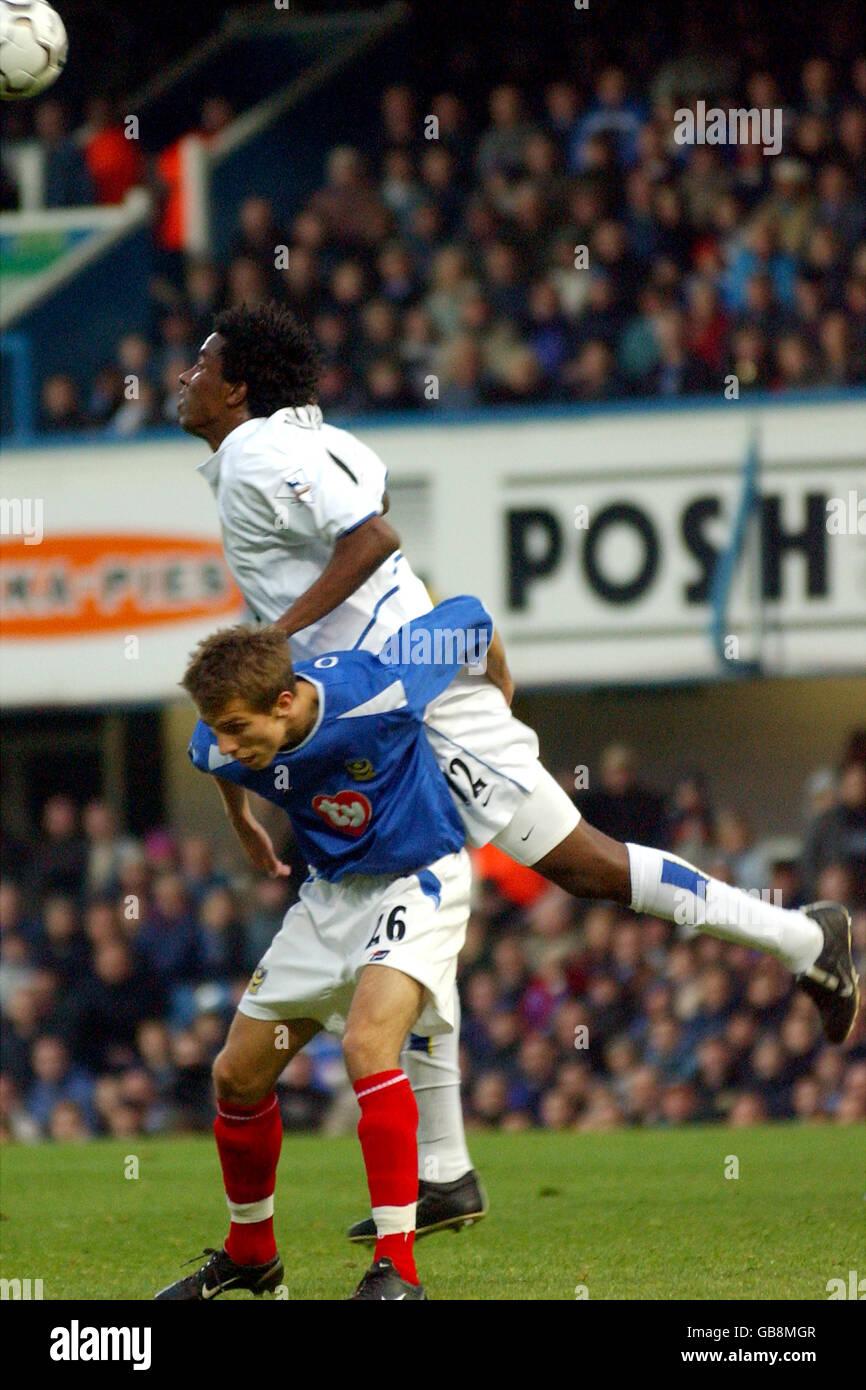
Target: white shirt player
x: 287, y: 487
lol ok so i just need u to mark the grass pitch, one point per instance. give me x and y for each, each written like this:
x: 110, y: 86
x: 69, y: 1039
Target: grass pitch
x: 627, y: 1215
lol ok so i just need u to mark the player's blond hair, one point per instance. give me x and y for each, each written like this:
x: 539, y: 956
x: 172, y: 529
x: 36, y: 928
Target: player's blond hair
x: 239, y: 663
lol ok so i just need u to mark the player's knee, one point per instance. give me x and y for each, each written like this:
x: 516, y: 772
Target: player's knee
x: 232, y: 1082
x: 361, y: 1051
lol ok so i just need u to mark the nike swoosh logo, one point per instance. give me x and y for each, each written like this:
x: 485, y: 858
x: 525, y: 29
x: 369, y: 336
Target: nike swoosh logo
x: 527, y: 835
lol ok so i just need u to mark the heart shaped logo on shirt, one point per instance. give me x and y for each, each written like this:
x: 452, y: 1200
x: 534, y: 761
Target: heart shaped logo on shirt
x: 347, y: 811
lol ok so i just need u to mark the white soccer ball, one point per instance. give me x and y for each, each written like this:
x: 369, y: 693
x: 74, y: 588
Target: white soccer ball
x: 33, y: 47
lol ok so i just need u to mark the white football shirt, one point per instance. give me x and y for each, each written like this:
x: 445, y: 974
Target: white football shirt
x: 287, y: 487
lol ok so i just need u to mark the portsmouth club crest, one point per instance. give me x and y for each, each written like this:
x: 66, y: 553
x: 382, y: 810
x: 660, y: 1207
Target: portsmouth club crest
x: 257, y: 980
x: 360, y: 769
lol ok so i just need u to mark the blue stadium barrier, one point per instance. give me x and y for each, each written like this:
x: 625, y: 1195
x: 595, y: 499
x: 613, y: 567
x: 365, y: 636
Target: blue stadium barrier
x: 17, y: 399
x: 728, y: 561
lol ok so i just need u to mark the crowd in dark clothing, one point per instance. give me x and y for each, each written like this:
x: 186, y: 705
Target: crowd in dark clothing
x: 560, y: 246
x: 123, y: 958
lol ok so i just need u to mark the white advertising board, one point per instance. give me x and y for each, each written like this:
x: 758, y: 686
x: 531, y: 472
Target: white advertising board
x: 591, y: 537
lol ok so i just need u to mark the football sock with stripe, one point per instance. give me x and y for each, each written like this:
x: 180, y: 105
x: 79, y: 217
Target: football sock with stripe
x: 248, y: 1140
x: 432, y: 1067
x: 386, y: 1129
x: 665, y: 886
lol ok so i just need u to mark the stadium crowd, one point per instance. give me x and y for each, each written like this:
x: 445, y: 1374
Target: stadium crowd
x: 565, y: 249
x: 122, y: 960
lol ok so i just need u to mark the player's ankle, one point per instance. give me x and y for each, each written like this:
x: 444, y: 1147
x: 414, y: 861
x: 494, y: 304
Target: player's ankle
x: 399, y: 1250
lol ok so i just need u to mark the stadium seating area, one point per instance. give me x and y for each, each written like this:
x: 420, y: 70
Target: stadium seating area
x: 564, y: 251
x: 122, y: 959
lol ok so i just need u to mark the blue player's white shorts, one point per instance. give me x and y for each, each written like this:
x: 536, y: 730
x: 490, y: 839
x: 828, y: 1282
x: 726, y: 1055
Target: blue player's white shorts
x: 490, y: 760
x: 415, y: 924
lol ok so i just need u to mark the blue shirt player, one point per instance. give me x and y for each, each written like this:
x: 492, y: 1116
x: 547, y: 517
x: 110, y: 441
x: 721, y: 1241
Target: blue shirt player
x: 338, y: 744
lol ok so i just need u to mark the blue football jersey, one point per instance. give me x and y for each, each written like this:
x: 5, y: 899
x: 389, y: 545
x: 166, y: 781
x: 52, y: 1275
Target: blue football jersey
x: 363, y: 790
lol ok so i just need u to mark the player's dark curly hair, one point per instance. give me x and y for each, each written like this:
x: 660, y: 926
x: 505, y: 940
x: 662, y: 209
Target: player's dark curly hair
x: 270, y: 350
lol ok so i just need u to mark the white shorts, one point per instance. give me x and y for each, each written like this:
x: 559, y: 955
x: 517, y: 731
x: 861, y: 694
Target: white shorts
x: 415, y: 924
x: 490, y: 761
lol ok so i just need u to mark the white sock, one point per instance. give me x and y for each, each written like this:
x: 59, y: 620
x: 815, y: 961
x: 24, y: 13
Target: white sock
x: 665, y: 886
x: 434, y: 1074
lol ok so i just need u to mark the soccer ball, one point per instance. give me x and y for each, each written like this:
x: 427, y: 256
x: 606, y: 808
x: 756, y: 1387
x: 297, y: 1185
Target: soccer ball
x: 32, y: 47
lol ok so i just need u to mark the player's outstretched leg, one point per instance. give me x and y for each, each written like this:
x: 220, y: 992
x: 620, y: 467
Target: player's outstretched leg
x: 385, y: 1005
x: 814, y: 943
x: 249, y: 1132
x: 450, y: 1194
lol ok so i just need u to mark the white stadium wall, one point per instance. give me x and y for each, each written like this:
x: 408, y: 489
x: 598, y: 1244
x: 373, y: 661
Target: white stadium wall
x: 590, y: 538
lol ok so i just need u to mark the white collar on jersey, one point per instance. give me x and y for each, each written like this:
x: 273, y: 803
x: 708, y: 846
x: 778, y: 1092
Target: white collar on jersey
x: 210, y: 469
x: 308, y: 417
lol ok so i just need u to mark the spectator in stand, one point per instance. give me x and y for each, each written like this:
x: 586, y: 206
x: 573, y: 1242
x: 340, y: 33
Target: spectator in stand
x: 462, y: 377
x: 112, y: 154
x: 839, y: 835
x: 385, y: 386
x: 768, y: 1079
x: 839, y: 206
x: 454, y: 131
x: 140, y: 410
x: 301, y: 284
x: 67, y: 181
x: 400, y: 188
x: 61, y: 408
x: 57, y: 1079
x: 349, y: 205
x: 399, y: 119
x: 795, y: 365
x: 107, y: 849
x: 67, y: 1124
x: 169, y: 940
x: 501, y: 147
x: 749, y: 359
x: 839, y: 364
x: 612, y: 113
x: 451, y: 287
x: 247, y: 283
x: 679, y: 372
x: 620, y: 806
x: 110, y: 1006
x: 63, y: 949
x: 790, y: 208
x: 106, y: 394
x: 60, y: 858
x: 258, y: 233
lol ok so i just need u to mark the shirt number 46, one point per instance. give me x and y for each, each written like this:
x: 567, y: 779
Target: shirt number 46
x: 395, y: 927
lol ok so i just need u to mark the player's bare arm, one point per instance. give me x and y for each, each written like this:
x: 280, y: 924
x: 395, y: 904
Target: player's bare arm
x: 255, y: 840
x: 497, y: 671
x: 356, y: 556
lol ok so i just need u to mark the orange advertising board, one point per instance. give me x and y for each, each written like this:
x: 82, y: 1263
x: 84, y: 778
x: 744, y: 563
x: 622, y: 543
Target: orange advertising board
x: 88, y: 585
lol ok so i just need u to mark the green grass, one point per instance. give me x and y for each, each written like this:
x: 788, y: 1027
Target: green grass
x: 634, y: 1215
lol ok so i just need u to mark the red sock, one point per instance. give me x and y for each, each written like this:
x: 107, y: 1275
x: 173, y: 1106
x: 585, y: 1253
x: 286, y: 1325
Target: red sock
x: 248, y: 1140
x: 387, y: 1130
